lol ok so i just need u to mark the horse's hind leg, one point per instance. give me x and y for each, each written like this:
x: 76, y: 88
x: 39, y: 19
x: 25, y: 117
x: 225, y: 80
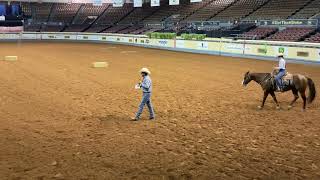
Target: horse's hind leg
x: 275, y: 99
x: 296, y: 96
x: 303, y: 95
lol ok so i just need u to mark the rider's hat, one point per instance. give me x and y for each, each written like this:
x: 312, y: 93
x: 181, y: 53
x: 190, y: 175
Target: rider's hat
x: 145, y: 70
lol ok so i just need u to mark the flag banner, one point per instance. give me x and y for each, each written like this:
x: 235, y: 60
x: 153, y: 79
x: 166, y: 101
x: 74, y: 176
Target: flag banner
x: 173, y: 2
x: 137, y: 3
x: 117, y: 3
x: 155, y: 3
x: 97, y: 3
x: 193, y: 1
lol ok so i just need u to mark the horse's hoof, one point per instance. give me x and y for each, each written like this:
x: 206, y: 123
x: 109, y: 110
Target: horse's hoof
x: 278, y: 108
x: 289, y: 107
x: 259, y: 107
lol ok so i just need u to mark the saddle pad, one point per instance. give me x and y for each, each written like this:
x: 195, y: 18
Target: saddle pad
x: 288, y: 76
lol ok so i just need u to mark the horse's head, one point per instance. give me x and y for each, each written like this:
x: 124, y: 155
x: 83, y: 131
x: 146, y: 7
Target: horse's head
x: 246, y: 79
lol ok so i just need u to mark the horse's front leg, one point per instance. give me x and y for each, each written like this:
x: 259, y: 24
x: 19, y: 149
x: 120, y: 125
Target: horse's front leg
x: 275, y: 99
x: 265, y: 95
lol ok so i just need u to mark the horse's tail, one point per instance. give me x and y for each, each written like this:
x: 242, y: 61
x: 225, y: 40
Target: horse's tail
x: 312, y: 91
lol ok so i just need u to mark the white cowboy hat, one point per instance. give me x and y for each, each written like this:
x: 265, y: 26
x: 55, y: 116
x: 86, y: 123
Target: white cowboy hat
x: 280, y: 55
x: 145, y: 70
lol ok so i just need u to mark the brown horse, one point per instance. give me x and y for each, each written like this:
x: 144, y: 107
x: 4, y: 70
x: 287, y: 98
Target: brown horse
x: 298, y: 84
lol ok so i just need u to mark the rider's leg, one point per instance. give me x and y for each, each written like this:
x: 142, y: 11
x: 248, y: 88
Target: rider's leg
x: 145, y: 98
x: 279, y: 77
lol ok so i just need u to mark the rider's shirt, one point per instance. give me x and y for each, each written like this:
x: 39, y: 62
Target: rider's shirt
x: 146, y: 84
x: 282, y: 64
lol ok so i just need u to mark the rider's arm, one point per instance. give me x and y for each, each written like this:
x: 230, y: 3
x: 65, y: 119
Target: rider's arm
x: 146, y: 83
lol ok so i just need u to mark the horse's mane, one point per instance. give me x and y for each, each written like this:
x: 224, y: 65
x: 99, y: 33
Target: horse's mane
x: 259, y: 77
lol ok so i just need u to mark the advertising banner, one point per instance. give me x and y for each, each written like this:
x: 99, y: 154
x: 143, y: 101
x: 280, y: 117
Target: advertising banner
x: 137, y: 3
x: 117, y: 3
x: 155, y: 3
x: 173, y: 2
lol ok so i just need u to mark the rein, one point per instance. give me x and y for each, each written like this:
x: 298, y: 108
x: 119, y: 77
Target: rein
x: 265, y: 79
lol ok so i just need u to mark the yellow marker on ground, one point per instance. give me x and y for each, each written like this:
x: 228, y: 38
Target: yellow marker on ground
x: 100, y: 64
x: 11, y: 58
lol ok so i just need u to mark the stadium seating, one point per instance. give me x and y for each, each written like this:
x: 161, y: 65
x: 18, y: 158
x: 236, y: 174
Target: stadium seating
x: 139, y: 14
x: 51, y: 28
x: 176, y: 13
x: 75, y: 28
x: 63, y: 12
x: 32, y: 27
x: 291, y: 34
x: 115, y: 29
x: 308, y: 11
x: 87, y: 15
x: 130, y: 29
x: 110, y: 17
x: 144, y: 30
x: 277, y: 9
x: 96, y: 28
x: 259, y: 33
x: 314, y: 39
x: 41, y: 11
x: 26, y: 9
x: 210, y: 8
x: 129, y: 20
x: 239, y: 9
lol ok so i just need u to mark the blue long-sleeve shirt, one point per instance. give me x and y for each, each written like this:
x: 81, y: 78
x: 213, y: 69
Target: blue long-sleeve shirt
x: 146, y: 84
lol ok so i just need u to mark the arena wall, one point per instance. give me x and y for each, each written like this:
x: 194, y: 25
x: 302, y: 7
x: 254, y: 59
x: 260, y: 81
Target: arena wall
x: 266, y: 50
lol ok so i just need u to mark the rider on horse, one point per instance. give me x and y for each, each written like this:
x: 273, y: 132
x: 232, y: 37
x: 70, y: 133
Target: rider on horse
x: 282, y: 72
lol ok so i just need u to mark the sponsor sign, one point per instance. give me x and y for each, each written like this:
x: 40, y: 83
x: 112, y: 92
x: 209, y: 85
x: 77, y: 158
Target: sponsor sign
x: 117, y: 3
x: 280, y: 49
x: 163, y: 42
x: 88, y: 37
x: 111, y: 38
x: 291, y: 22
x: 97, y: 3
x: 155, y: 3
x: 137, y: 3
x: 29, y: 36
x: 9, y: 36
x: 173, y: 2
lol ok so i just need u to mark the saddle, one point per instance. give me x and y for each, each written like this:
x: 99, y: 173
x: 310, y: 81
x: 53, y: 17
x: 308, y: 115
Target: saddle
x: 288, y: 76
x: 287, y: 79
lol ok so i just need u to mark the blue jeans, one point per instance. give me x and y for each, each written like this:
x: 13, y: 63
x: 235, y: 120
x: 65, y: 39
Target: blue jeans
x: 279, y: 76
x: 146, y: 99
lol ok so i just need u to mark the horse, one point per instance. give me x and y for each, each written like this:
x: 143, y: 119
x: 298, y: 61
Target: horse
x: 297, y: 84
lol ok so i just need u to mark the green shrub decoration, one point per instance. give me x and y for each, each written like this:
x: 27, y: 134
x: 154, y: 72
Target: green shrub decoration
x: 157, y: 35
x: 198, y: 37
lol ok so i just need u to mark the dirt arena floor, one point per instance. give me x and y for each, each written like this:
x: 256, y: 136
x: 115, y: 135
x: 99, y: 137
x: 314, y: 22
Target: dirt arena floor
x: 62, y: 119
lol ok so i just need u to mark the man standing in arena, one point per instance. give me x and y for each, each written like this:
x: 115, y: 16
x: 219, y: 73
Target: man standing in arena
x: 281, y: 73
x: 146, y: 86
